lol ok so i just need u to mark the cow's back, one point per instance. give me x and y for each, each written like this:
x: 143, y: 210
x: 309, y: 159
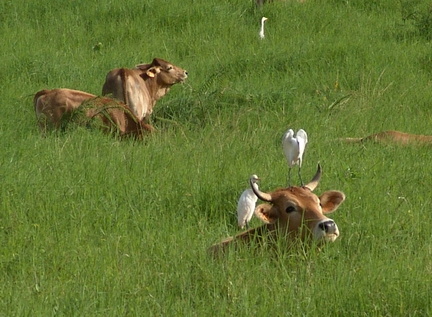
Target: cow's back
x: 127, y: 86
x: 114, y: 84
x: 395, y: 137
x: 52, y: 105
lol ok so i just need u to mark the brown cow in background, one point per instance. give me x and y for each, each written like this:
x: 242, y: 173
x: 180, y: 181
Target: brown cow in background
x: 57, y: 107
x: 51, y: 105
x: 140, y: 87
x: 395, y: 137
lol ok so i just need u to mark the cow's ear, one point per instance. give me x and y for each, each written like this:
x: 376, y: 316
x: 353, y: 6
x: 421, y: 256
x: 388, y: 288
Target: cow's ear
x: 331, y: 200
x: 267, y: 213
x: 143, y: 67
x: 152, y: 71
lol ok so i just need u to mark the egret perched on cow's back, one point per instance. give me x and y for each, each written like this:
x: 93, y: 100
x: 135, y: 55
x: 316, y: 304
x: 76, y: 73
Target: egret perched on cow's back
x: 261, y: 32
x: 246, y: 204
x: 293, y: 147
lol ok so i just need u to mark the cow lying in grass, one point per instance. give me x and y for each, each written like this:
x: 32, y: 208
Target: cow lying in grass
x: 292, y: 213
x: 141, y: 87
x: 57, y: 107
x: 393, y: 137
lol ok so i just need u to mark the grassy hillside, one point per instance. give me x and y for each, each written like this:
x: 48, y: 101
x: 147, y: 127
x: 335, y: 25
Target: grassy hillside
x: 94, y: 226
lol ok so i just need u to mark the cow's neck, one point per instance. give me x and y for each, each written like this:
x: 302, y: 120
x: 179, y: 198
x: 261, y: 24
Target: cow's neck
x: 253, y: 234
x: 156, y: 90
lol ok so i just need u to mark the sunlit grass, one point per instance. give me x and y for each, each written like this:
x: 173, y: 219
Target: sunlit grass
x: 94, y: 226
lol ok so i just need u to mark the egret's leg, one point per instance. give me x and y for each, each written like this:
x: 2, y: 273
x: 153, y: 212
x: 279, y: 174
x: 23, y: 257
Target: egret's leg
x: 299, y: 174
x: 289, y: 176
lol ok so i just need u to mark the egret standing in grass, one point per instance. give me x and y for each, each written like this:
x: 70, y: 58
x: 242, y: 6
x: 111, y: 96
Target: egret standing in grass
x: 293, y: 147
x: 246, y: 204
x: 261, y: 32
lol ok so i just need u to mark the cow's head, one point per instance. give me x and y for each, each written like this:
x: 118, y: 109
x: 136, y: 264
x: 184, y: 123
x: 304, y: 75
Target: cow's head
x: 164, y: 72
x: 298, y: 212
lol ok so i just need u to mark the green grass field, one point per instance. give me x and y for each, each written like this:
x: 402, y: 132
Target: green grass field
x: 94, y: 226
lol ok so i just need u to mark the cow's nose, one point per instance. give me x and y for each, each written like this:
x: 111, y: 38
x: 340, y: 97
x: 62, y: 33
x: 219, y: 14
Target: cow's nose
x: 328, y: 226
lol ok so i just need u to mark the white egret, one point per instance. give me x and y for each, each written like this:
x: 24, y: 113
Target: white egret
x: 246, y: 204
x: 261, y: 32
x: 294, y: 147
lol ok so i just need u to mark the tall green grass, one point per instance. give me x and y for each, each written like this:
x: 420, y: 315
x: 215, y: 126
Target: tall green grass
x: 94, y: 226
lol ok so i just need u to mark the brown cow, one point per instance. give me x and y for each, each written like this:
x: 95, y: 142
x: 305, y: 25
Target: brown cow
x: 143, y: 85
x: 294, y: 213
x: 57, y: 107
x: 393, y: 137
x: 51, y: 106
x: 113, y: 116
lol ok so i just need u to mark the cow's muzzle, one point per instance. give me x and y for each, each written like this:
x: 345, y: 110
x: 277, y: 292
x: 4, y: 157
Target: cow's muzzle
x: 326, y: 230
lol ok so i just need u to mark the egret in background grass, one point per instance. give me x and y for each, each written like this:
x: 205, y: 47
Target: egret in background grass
x: 246, y: 204
x: 294, y: 147
x: 261, y: 32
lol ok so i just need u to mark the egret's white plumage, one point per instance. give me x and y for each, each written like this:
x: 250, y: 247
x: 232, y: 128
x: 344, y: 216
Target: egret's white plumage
x: 261, y: 32
x: 246, y: 204
x: 294, y: 147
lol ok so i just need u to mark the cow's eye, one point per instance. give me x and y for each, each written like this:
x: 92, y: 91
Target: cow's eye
x: 169, y: 68
x: 290, y: 209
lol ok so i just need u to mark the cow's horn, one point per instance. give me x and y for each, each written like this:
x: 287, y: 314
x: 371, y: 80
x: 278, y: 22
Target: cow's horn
x: 315, y: 180
x: 261, y: 195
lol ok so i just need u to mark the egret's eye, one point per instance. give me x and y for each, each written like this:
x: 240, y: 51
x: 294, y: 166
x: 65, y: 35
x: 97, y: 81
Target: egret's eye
x: 290, y: 209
